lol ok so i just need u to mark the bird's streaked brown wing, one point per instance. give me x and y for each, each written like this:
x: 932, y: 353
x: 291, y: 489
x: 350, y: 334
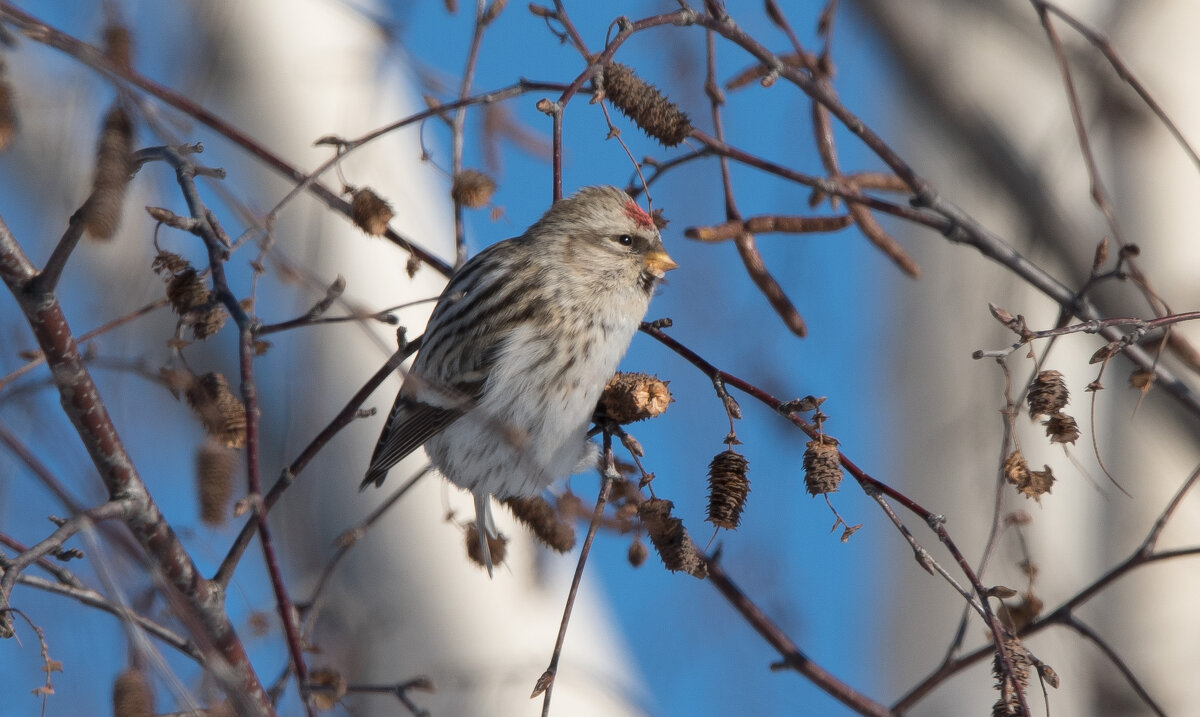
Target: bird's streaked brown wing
x: 409, y: 425
x: 474, y: 314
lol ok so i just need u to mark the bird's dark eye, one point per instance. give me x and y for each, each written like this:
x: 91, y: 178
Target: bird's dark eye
x: 625, y: 240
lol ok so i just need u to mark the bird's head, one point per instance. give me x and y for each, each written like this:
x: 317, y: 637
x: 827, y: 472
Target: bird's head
x: 603, y: 231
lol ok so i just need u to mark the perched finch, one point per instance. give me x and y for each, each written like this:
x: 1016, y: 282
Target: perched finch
x: 519, y: 348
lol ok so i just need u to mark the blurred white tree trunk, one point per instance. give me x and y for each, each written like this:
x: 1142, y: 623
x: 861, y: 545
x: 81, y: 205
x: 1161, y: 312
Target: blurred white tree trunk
x: 986, y: 120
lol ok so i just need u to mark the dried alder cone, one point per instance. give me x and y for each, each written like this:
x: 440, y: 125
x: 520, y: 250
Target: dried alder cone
x: 822, y: 465
x: 1061, y: 428
x: 728, y: 487
x: 1016, y: 617
x: 670, y: 538
x: 118, y: 46
x: 630, y: 397
x: 641, y: 102
x: 1048, y: 395
x: 114, y: 163
x: 131, y: 695
x: 637, y: 553
x: 497, y: 546
x: 330, y: 687
x: 540, y: 517
x: 189, y: 295
x: 1018, y: 657
x: 221, y: 412
x: 215, y: 466
x: 1031, y: 484
x: 187, y: 290
x: 8, y: 110
x: 369, y: 211
x: 472, y: 188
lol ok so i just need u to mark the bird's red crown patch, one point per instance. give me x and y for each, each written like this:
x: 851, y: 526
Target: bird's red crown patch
x: 638, y: 215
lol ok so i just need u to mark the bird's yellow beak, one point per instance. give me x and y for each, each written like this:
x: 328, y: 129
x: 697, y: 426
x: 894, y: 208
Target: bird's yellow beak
x: 659, y: 262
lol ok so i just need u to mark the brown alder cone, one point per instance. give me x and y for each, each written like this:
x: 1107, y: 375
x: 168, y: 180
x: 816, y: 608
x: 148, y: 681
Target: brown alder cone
x: 114, y: 162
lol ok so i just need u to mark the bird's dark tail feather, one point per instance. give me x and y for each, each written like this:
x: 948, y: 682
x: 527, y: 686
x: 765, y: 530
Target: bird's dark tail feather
x: 486, y: 527
x: 374, y: 475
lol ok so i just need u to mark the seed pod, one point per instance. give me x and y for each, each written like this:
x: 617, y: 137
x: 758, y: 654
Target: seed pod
x: 670, y: 538
x: 131, y: 695
x: 215, y: 466
x: 727, y: 489
x: 1031, y: 484
x: 630, y: 397
x: 497, y: 546
x: 472, y: 188
x: 1061, y: 428
x: 539, y: 516
x: 1016, y: 469
x: 221, y: 412
x: 1008, y: 703
x: 1100, y: 258
x: 118, y: 46
x: 187, y: 290
x: 822, y: 465
x: 641, y: 102
x: 8, y: 109
x: 168, y: 264
x: 332, y: 687
x: 209, y: 322
x: 114, y: 162
x: 637, y: 553
x: 1023, y: 612
x: 1047, y: 394
x: 1039, y: 484
x: 1142, y: 379
x: 369, y: 211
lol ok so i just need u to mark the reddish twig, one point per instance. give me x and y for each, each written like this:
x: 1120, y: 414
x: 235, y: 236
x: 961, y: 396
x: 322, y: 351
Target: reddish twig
x: 752, y: 259
x: 205, y: 227
x: 560, y: 14
x: 768, y: 224
x: 283, y: 603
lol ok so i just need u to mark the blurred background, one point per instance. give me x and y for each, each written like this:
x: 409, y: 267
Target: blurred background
x: 967, y: 92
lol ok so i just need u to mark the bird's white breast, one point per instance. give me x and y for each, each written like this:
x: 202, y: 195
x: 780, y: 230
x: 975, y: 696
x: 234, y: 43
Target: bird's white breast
x: 539, y: 399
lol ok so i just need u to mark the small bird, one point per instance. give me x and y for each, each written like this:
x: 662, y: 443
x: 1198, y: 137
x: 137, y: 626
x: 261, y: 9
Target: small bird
x: 519, y: 347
